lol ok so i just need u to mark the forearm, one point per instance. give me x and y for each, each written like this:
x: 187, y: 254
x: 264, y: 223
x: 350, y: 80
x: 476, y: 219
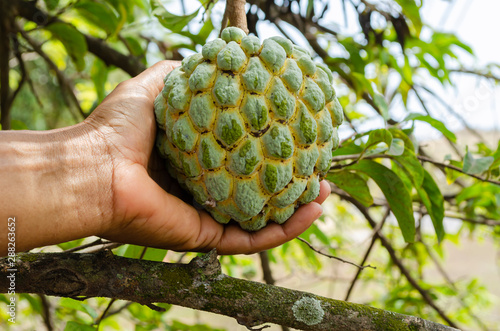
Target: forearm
x: 56, y: 184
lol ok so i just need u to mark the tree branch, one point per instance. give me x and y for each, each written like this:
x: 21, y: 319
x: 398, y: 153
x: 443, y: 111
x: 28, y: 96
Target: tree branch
x: 420, y: 157
x: 199, y: 285
x: 130, y: 64
x: 392, y: 253
x: 367, y: 253
x: 64, y: 83
x: 5, y: 34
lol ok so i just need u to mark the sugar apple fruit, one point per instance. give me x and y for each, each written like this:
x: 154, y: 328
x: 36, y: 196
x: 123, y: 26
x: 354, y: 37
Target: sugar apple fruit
x: 248, y: 128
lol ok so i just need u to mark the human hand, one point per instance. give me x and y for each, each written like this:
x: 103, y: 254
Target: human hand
x: 142, y: 211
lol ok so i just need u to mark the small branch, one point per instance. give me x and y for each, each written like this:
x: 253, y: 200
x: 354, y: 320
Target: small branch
x: 266, y: 268
x: 78, y: 248
x: 392, y: 253
x: 483, y: 221
x: 236, y: 14
x: 99, y: 47
x: 476, y: 73
x: 104, y: 313
x: 47, y: 319
x: 198, y: 285
x: 451, y: 143
x: 5, y: 37
x: 64, y: 83
x: 332, y: 256
x: 420, y: 157
x: 452, y: 111
x: 449, y: 166
x: 448, y: 280
x: 367, y: 253
x: 22, y: 68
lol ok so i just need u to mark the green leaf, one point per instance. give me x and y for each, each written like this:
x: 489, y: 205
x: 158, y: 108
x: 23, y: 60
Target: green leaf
x: 155, y: 254
x: 133, y: 251
x: 18, y: 125
x: 412, y: 12
x: 99, y: 75
x: 70, y: 244
x: 310, y: 7
x: 79, y: 306
x: 409, y: 162
x: 433, y: 200
x: 438, y: 125
x: 475, y: 166
x: 380, y: 102
x: 496, y: 156
x: 397, y: 147
x: 395, y: 192
x: 172, y: 22
x: 452, y: 175
x: 348, y: 148
x: 99, y: 14
x: 51, y: 4
x: 75, y: 326
x: 353, y: 184
x: 403, y: 135
x: 402, y: 174
x: 379, y: 136
x: 73, y: 41
x: 135, y: 46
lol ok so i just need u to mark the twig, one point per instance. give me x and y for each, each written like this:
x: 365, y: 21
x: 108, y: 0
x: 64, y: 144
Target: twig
x: 420, y: 157
x: 332, y: 256
x: 476, y: 73
x: 485, y: 221
x: 47, y: 319
x: 106, y: 246
x: 266, y: 268
x: 449, y: 166
x: 94, y: 243
x: 129, y: 64
x: 64, y: 83
x: 103, y: 315
x: 367, y: 253
x: 5, y: 36
x: 22, y: 68
x: 452, y: 111
x: 447, y: 278
x: 392, y: 253
x: 451, y: 143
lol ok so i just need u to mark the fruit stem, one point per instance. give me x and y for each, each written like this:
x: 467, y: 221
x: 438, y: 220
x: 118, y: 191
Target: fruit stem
x: 236, y: 14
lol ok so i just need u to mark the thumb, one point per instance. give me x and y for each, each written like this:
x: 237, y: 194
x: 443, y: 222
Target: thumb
x: 151, y: 79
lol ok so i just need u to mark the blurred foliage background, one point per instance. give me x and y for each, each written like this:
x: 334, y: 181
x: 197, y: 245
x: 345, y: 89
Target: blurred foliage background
x: 398, y: 203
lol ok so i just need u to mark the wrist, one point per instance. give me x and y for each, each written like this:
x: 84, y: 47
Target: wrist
x: 58, y: 184
x: 88, y: 168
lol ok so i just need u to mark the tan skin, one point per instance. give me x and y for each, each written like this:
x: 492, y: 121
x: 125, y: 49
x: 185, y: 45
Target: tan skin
x: 101, y: 178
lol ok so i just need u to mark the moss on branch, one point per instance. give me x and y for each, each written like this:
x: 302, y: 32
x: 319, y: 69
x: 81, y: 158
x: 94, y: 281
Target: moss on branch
x: 199, y: 285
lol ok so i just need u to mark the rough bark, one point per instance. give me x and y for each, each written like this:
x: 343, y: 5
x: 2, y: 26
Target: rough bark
x: 198, y: 285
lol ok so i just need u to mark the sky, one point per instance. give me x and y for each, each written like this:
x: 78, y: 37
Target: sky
x: 475, y: 22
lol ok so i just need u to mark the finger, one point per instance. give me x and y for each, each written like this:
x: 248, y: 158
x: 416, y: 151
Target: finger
x: 237, y: 241
x: 324, y: 192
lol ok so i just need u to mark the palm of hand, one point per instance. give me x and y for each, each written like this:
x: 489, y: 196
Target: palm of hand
x: 143, y: 212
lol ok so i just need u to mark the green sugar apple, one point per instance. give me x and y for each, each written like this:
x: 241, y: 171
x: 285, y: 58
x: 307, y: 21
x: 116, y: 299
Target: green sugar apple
x: 248, y: 128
